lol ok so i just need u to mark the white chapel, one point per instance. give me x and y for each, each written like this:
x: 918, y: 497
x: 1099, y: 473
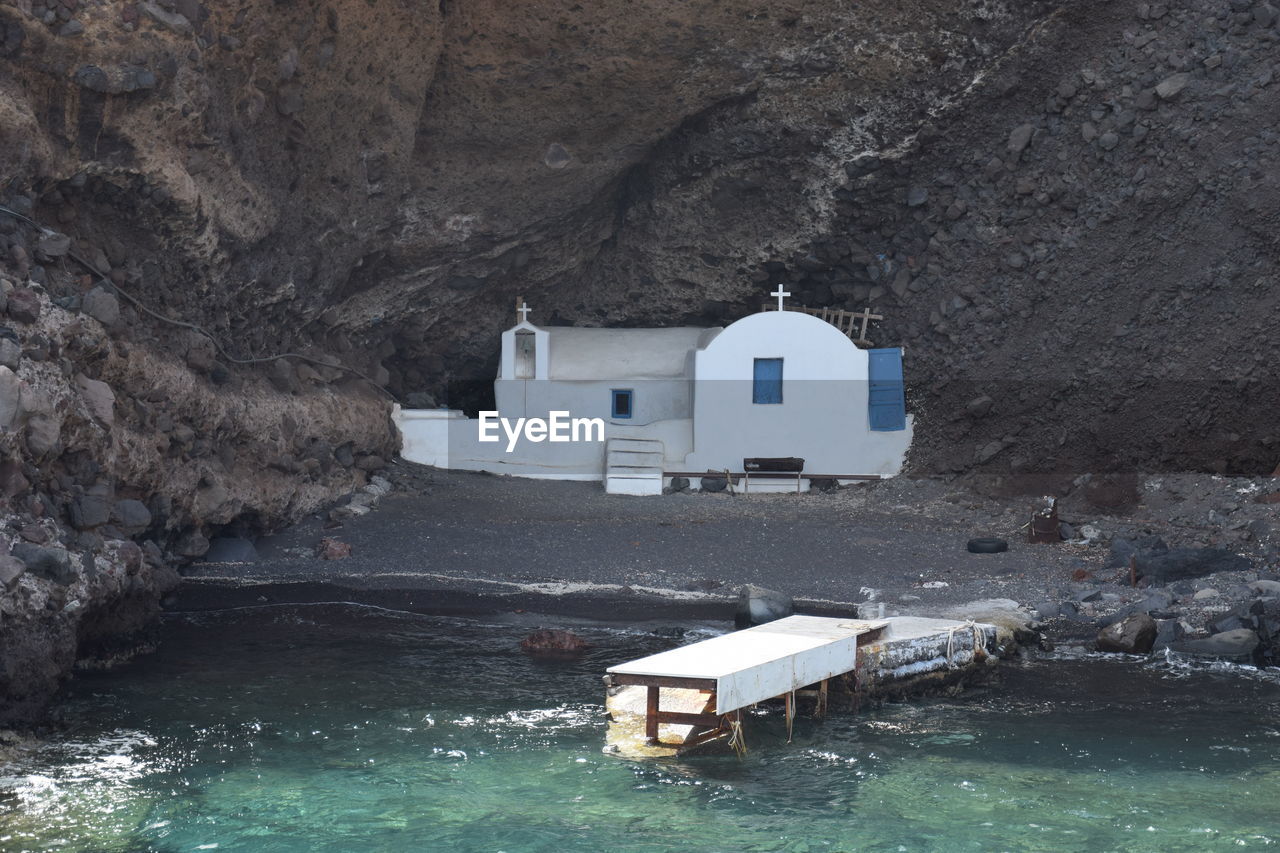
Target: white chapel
x: 635, y: 408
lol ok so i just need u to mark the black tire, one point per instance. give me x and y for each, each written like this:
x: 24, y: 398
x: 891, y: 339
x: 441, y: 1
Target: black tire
x: 987, y: 545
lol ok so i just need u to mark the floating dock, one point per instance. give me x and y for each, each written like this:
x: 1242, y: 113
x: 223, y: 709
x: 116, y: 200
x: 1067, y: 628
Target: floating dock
x: 667, y: 703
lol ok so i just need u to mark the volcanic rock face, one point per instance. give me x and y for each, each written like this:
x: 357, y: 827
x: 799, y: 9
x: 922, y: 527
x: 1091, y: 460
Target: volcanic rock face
x: 392, y: 174
x: 1069, y: 209
x: 1066, y: 211
x: 118, y: 463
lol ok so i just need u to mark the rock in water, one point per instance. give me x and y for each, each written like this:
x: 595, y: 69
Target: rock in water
x: 553, y: 642
x: 1238, y: 646
x: 757, y: 605
x: 1134, y: 635
x: 333, y: 549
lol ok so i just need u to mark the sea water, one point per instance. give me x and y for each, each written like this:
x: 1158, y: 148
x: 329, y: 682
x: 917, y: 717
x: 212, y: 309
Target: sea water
x: 335, y: 728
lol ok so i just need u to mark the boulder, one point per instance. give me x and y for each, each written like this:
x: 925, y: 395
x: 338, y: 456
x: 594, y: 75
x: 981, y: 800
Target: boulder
x: 201, y: 354
x: 24, y: 305
x: 98, y: 398
x: 1123, y: 549
x: 1019, y: 137
x: 1168, y: 632
x: 43, y: 435
x: 1270, y: 589
x: 12, y: 481
x: 1237, y: 646
x: 371, y: 462
x: 343, y: 455
x: 89, y: 511
x: 10, y: 353
x: 10, y: 397
x: 714, y: 484
x: 174, y: 21
x: 1013, y: 623
x: 757, y: 605
x: 1188, y: 563
x: 191, y: 544
x: 48, y: 562
x: 130, y: 555
x: 553, y: 642
x: 1133, y: 635
x: 1172, y: 85
x: 102, y: 305
x: 333, y: 549
x: 1241, y: 616
x: 131, y: 515
x: 51, y: 246
x: 11, y: 570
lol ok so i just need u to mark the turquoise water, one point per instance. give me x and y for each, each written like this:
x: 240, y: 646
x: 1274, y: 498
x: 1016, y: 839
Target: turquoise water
x: 342, y: 729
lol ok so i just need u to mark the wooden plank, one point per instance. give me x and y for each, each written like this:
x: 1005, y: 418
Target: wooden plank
x: 651, y: 715
x: 622, y: 679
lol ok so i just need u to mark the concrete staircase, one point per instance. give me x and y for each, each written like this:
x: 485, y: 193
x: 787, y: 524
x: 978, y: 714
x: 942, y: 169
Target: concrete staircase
x: 633, y: 466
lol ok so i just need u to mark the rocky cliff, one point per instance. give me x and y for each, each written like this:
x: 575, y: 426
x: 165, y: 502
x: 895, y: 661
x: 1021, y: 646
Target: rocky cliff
x: 1067, y: 213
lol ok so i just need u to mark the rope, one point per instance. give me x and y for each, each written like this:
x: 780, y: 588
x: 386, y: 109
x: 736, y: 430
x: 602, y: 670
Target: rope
x: 951, y: 636
x: 102, y: 279
x: 737, y: 737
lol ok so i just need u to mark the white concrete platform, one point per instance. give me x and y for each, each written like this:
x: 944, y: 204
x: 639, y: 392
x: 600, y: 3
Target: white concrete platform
x: 764, y: 662
x: 666, y: 704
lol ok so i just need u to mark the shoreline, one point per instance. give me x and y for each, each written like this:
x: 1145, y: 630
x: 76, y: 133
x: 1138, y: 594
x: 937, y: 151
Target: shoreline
x: 447, y: 543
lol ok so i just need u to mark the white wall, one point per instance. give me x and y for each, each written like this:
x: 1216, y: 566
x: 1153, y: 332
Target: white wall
x: 447, y: 439
x: 823, y: 417
x: 652, y: 399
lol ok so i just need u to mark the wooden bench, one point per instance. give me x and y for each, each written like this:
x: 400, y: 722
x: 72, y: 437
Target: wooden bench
x: 772, y: 467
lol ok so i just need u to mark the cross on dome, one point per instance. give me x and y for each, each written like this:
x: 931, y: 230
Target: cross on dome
x: 780, y: 293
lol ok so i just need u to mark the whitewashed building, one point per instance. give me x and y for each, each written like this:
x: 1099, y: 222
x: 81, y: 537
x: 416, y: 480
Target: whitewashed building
x: 639, y: 406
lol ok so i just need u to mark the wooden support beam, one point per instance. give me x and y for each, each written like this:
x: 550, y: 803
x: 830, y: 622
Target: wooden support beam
x: 623, y: 679
x: 651, y: 715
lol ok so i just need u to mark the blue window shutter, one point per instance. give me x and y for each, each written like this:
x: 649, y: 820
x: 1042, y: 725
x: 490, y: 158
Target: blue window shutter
x: 767, y: 384
x: 887, y: 401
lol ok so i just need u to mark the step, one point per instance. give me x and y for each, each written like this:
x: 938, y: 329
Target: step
x: 633, y: 485
x: 634, y: 472
x: 643, y: 445
x: 636, y: 458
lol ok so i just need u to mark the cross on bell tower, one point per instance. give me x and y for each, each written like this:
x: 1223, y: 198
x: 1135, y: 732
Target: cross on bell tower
x: 780, y: 293
x: 522, y: 309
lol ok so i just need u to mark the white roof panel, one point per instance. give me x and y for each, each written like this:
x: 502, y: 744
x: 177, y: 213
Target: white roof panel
x: 585, y: 354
